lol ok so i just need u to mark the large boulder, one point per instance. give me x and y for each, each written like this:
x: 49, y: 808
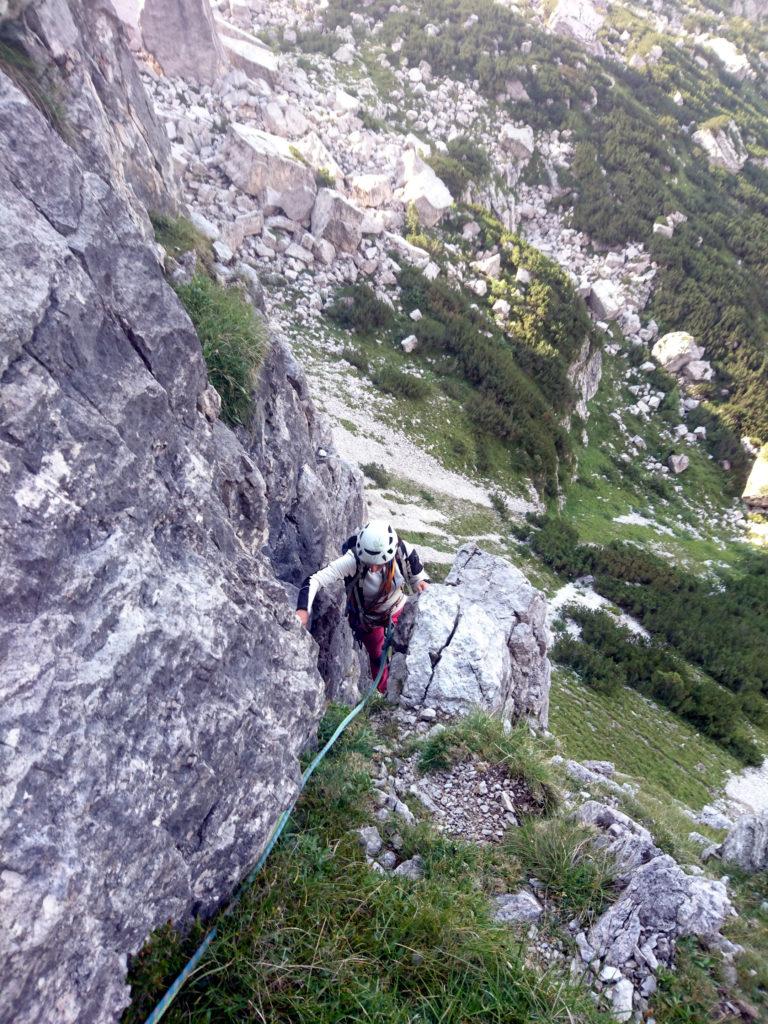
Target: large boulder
x: 724, y: 146
x: 746, y: 845
x: 579, y: 20
x: 423, y: 189
x: 756, y: 491
x: 479, y: 640
x: 734, y: 61
x: 156, y: 689
x: 246, y: 52
x: 371, y: 189
x: 263, y: 166
x: 605, y: 299
x: 518, y: 142
x: 337, y: 220
x: 182, y: 37
x: 676, y: 350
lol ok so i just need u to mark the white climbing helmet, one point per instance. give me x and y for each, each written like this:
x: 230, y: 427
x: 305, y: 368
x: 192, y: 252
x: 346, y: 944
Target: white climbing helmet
x: 376, y: 543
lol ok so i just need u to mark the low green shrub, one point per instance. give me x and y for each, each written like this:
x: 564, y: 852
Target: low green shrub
x: 403, y: 385
x: 377, y: 473
x: 358, y: 308
x: 232, y: 338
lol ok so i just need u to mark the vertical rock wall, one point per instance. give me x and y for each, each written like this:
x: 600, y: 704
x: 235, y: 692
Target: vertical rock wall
x: 156, y: 689
x: 90, y: 79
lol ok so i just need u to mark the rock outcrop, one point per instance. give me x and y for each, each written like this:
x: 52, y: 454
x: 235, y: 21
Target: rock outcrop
x: 182, y: 37
x: 756, y: 490
x: 156, y: 687
x: 746, y: 845
x: 659, y: 903
x: 480, y: 640
x: 78, y: 46
x: 724, y: 147
x: 314, y: 501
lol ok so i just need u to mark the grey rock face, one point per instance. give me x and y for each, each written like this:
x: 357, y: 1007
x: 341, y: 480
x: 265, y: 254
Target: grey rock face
x: 585, y: 373
x: 181, y: 36
x: 156, y: 687
x: 746, y: 845
x: 314, y: 502
x: 480, y: 640
x: 108, y: 118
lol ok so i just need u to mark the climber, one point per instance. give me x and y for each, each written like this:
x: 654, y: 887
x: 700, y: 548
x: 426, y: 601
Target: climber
x: 375, y: 565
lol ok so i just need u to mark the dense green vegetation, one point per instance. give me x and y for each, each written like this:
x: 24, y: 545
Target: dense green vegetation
x: 719, y: 624
x: 512, y: 382
x: 635, y: 161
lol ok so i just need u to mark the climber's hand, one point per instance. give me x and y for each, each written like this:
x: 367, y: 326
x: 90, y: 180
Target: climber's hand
x: 303, y: 616
x: 421, y: 586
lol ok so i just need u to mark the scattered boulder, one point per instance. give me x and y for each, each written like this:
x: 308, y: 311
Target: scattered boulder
x: 337, y: 220
x: 605, y: 299
x: 490, y: 266
x: 746, y: 845
x: 262, y: 165
x: 678, y: 463
x: 479, y: 640
x: 246, y: 52
x: 735, y: 62
x: 428, y: 194
x: 371, y: 189
x: 409, y: 344
x: 756, y: 491
x: 519, y: 142
x: 675, y: 350
x: 579, y: 20
x: 370, y: 840
x: 517, y: 908
x: 412, y: 869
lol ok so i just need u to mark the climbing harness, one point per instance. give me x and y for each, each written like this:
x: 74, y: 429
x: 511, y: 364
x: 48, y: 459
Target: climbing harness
x: 250, y: 878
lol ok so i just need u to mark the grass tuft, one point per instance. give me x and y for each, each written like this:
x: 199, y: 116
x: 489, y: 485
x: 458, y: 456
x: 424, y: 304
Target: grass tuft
x: 177, y: 235
x: 232, y: 338
x: 576, y: 877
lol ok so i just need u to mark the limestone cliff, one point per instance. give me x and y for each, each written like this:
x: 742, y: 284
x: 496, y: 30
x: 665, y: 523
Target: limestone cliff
x: 156, y: 688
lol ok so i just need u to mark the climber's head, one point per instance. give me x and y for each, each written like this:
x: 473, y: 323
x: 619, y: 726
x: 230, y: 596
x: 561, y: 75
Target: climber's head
x: 376, y: 544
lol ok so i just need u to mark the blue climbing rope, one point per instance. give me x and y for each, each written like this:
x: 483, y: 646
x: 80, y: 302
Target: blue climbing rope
x: 199, y: 953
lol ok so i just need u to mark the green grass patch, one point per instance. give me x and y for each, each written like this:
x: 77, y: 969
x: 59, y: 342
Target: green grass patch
x: 577, y: 877
x: 232, y: 338
x: 323, y: 939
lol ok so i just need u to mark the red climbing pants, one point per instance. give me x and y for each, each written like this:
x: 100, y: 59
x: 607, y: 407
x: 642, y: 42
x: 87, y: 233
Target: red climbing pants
x: 373, y: 640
